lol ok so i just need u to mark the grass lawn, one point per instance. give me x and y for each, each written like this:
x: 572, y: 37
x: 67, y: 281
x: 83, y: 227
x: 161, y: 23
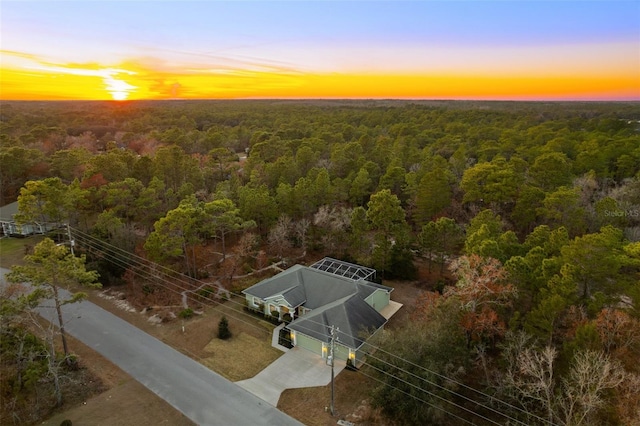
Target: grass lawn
x: 12, y: 250
x: 240, y: 357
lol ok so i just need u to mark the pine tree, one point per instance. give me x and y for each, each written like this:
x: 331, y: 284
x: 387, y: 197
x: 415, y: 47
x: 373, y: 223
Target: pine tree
x: 223, y: 329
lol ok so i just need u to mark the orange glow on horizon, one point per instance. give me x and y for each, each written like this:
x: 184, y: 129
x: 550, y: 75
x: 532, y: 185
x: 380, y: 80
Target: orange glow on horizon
x: 131, y: 82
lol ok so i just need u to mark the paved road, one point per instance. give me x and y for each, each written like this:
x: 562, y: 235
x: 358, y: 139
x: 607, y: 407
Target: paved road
x: 200, y: 394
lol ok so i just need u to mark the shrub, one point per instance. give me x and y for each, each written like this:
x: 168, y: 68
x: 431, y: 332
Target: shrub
x: 206, y: 292
x: 223, y: 329
x: 72, y: 362
x: 186, y: 313
x: 273, y: 320
x: 253, y: 311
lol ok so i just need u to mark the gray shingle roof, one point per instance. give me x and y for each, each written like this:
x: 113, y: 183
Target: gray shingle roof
x: 8, y: 211
x: 312, y: 287
x: 353, y: 317
x: 277, y: 284
x: 334, y: 299
x: 295, y: 296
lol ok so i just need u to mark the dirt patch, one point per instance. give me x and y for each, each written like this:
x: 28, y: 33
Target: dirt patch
x: 311, y: 406
x: 124, y: 402
x: 127, y: 403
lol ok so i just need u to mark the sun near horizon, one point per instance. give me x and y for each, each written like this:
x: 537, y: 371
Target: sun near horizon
x: 553, y: 50
x: 120, y: 84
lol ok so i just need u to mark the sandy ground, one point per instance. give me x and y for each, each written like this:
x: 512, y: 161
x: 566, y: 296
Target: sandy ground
x: 126, y: 402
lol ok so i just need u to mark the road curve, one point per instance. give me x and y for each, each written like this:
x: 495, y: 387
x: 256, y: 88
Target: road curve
x: 200, y: 394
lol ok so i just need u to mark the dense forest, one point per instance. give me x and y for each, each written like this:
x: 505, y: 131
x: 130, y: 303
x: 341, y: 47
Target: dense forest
x: 521, y: 218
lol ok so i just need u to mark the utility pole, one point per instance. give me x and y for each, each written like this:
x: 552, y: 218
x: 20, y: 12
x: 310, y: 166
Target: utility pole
x: 334, y: 338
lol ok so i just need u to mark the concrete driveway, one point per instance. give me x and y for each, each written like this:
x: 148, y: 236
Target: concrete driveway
x: 297, y: 368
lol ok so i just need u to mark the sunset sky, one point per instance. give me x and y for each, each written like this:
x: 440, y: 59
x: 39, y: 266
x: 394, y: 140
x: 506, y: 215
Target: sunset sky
x: 320, y: 49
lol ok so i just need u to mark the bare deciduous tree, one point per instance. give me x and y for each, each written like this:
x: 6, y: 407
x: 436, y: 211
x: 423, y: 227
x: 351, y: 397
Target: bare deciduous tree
x: 246, y: 246
x: 629, y: 400
x: 592, y: 373
x: 280, y: 235
x: 334, y: 222
x: 534, y: 379
x: 573, y: 400
x: 617, y: 329
x: 301, y: 230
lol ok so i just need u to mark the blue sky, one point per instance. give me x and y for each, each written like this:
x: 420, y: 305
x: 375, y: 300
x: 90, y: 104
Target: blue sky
x: 328, y: 36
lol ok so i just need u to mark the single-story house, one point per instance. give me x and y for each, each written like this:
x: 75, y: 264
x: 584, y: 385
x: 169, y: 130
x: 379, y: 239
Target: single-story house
x: 329, y: 293
x: 11, y: 228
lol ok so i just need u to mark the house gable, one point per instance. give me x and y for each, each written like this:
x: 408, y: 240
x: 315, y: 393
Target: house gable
x: 10, y: 227
x: 277, y: 284
x: 378, y: 299
x: 322, y: 298
x: 353, y: 318
x: 308, y: 287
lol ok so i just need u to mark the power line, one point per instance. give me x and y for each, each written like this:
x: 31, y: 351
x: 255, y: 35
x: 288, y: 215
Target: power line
x: 431, y: 393
x: 417, y: 398
x: 155, y: 280
x: 432, y: 383
x: 426, y: 380
x: 442, y: 376
x: 129, y: 260
x: 442, y: 388
x: 119, y: 258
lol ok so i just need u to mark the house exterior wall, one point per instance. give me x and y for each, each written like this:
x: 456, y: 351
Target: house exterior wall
x: 309, y: 343
x: 255, y: 302
x: 48, y: 226
x: 341, y: 352
x: 360, y: 354
x: 359, y: 357
x: 269, y: 305
x: 316, y: 346
x: 11, y: 228
x: 378, y: 299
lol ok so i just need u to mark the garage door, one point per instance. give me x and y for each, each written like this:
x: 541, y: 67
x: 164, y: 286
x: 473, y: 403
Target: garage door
x: 309, y: 343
